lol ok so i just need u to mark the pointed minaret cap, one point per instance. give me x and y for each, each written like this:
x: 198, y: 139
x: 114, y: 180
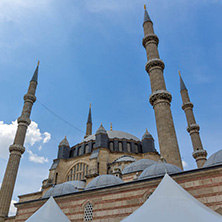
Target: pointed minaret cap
x: 101, y: 130
x: 182, y: 84
x: 35, y: 75
x: 146, y: 16
x: 64, y: 142
x: 90, y: 115
x: 147, y: 135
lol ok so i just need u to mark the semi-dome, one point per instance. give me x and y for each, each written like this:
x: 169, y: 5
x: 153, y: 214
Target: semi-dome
x: 214, y: 159
x: 103, y: 181
x: 139, y: 165
x: 125, y: 158
x: 65, y: 188
x: 114, y: 134
x: 159, y: 169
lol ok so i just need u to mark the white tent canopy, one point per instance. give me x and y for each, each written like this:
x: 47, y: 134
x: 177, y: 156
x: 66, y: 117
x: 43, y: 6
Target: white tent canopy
x: 171, y: 203
x: 49, y: 212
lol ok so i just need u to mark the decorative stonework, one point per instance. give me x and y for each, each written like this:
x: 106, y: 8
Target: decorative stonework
x: 187, y: 105
x: 160, y: 95
x: 199, y: 153
x: 154, y: 63
x: 150, y: 38
x: 193, y: 128
x: 17, y: 148
x: 25, y: 120
x: 29, y: 97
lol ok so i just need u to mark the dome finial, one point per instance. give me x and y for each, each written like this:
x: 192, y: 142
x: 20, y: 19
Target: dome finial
x: 144, y: 6
x: 38, y: 63
x: 111, y: 127
x: 179, y: 72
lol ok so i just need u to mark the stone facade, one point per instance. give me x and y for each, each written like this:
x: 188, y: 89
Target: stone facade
x: 116, y: 202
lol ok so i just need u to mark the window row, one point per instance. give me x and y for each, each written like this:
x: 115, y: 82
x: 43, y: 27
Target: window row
x: 121, y: 147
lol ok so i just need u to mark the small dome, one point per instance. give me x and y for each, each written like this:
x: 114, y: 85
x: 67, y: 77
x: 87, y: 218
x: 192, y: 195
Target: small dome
x: 214, y: 159
x: 125, y: 158
x: 101, y: 130
x: 139, y: 165
x: 64, y: 142
x: 103, y: 181
x: 64, y: 188
x: 147, y: 135
x: 159, y: 169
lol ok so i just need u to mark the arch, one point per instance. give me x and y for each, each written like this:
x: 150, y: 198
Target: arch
x: 88, y: 212
x: 77, y: 172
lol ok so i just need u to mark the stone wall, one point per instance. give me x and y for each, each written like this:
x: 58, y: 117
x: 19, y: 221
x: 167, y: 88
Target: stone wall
x: 117, y: 202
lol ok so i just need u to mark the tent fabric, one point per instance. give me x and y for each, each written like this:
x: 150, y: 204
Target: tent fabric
x: 171, y: 203
x: 49, y: 212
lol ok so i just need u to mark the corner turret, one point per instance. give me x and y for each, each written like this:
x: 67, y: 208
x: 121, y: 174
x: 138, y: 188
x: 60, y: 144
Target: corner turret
x: 64, y: 149
x: 148, y: 143
x: 101, y: 137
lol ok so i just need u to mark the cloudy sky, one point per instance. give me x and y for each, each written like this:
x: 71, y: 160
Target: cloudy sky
x: 91, y: 52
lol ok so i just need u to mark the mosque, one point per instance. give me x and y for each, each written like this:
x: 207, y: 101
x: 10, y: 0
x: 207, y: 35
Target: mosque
x: 110, y: 174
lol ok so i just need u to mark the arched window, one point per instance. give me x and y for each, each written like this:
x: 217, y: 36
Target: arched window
x: 111, y: 146
x: 87, y: 149
x: 120, y: 147
x: 78, y: 172
x: 136, y: 148
x: 88, y: 212
x: 128, y: 147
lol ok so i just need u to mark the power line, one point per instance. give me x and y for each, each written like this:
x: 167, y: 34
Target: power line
x: 59, y: 117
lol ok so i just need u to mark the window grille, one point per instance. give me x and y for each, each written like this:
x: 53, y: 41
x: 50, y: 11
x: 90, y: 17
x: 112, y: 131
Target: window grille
x: 78, y: 172
x: 88, y: 212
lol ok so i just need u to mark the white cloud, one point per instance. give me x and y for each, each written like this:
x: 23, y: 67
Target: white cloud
x: 47, y: 137
x: 36, y: 159
x: 12, y: 210
x: 33, y: 136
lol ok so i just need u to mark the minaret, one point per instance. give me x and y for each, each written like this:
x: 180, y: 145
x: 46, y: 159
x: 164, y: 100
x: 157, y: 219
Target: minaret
x: 89, y: 124
x: 160, y: 98
x: 17, y: 149
x: 193, y: 128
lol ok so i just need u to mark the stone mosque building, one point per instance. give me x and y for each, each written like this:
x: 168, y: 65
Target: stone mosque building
x: 109, y: 174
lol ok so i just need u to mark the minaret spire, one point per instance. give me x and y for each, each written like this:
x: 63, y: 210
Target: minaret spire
x: 193, y: 128
x: 160, y: 98
x: 17, y: 149
x: 89, y: 123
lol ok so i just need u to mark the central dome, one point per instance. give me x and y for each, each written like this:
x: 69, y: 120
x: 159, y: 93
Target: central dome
x: 114, y: 134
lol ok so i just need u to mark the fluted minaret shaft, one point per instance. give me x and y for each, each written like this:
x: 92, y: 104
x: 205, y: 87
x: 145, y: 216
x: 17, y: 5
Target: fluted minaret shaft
x: 89, y: 124
x: 17, y: 149
x: 193, y: 128
x: 160, y: 98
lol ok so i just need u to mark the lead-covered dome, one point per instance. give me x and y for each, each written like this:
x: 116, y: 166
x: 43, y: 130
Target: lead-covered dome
x: 64, y: 188
x: 103, y: 181
x: 125, y: 158
x: 112, y: 134
x: 139, y: 165
x: 214, y: 159
x: 159, y: 169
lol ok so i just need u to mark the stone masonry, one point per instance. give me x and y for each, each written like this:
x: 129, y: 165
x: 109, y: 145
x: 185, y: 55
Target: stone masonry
x: 160, y: 98
x: 17, y: 149
x: 193, y: 128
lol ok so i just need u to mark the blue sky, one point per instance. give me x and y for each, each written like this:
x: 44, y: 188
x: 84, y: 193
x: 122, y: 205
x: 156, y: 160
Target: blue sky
x: 91, y: 52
